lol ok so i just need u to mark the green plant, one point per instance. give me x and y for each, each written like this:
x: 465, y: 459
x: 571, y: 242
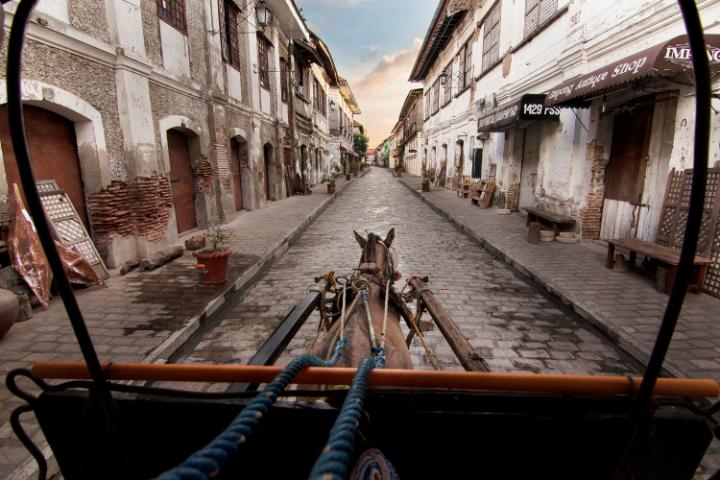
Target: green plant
x: 217, y: 236
x: 360, y: 144
x: 398, y: 167
x: 428, y: 174
x: 329, y: 179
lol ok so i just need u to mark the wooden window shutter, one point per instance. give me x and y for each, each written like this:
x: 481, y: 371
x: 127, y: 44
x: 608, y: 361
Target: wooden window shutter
x: 223, y: 39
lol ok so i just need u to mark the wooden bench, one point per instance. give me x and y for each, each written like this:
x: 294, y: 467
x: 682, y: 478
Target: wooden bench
x: 545, y: 216
x: 669, y: 257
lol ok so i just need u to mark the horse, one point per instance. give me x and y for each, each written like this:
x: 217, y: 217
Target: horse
x: 377, y: 269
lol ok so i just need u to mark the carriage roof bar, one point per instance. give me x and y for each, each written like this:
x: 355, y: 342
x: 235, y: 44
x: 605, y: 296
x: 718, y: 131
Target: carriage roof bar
x: 486, y: 381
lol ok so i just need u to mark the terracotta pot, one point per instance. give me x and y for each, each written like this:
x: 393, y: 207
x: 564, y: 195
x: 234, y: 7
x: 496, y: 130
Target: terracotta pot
x: 331, y: 188
x: 214, y: 265
x: 425, y: 186
x: 348, y: 177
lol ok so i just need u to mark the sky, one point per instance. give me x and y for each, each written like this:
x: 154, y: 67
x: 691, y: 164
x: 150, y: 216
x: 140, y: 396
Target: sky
x: 374, y: 44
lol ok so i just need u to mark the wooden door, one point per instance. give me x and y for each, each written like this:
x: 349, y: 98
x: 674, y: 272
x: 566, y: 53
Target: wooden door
x: 182, y: 181
x: 237, y: 150
x: 53, y: 149
x: 268, y: 169
x: 625, y: 173
x: 529, y: 166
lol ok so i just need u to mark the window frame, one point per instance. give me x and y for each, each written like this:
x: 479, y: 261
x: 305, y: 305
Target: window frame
x: 447, y: 88
x: 174, y: 14
x: 232, y: 39
x: 467, y: 74
x: 264, y: 47
x: 487, y: 52
x: 284, y: 94
x: 537, y: 10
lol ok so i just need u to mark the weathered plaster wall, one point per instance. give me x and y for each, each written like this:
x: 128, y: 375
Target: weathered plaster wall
x: 151, y: 32
x: 90, y: 81
x: 90, y: 16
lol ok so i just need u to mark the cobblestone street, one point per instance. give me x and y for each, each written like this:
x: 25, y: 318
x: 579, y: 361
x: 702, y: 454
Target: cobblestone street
x: 511, y: 323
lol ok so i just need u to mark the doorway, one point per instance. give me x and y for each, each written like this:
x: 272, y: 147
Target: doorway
x: 238, y: 160
x: 530, y: 139
x: 182, y: 181
x: 626, y: 169
x: 54, y: 151
x: 268, y: 155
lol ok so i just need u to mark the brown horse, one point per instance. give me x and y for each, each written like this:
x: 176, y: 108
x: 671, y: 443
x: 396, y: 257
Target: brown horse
x: 376, y: 268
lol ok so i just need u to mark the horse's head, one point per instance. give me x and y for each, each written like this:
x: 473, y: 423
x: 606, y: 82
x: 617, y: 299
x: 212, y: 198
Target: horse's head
x: 377, y: 251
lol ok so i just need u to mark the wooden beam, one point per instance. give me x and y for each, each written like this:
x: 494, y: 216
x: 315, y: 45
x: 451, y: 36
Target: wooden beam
x: 469, y: 359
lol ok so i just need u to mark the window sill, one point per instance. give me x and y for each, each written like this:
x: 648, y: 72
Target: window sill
x: 167, y: 22
x: 556, y: 16
x: 302, y: 97
x: 489, y: 69
x: 462, y: 91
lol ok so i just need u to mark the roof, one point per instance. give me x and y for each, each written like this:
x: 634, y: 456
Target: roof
x: 397, y: 127
x: 347, y: 94
x: 447, y: 16
x: 326, y: 59
x: 409, y: 100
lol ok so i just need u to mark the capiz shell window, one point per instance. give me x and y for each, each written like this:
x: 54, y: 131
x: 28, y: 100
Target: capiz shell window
x: 173, y: 12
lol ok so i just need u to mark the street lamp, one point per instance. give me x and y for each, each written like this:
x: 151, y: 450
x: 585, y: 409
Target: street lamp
x: 443, y: 78
x: 332, y: 105
x: 263, y: 13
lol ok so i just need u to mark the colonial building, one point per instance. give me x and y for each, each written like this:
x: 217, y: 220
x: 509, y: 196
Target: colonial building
x: 411, y: 114
x: 161, y: 117
x: 343, y: 107
x: 567, y: 105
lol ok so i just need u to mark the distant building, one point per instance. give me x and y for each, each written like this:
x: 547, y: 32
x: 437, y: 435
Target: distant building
x: 411, y: 114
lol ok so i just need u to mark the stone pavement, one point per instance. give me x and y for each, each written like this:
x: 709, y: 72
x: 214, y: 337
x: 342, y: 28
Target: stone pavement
x: 144, y: 317
x: 625, y: 305
x: 510, y: 322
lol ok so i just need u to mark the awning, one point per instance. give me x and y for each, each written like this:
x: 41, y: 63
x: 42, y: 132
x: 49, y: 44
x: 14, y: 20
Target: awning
x: 662, y: 60
x: 528, y: 107
x: 344, y: 149
x: 304, y: 49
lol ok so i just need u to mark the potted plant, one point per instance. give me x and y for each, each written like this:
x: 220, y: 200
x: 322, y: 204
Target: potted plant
x: 330, y: 180
x: 428, y: 176
x: 213, y: 261
x: 398, y: 170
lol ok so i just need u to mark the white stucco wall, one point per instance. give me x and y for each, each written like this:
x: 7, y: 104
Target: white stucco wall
x: 176, y: 58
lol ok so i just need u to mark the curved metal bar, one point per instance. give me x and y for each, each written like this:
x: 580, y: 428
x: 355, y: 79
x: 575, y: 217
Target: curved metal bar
x: 27, y: 177
x: 27, y: 441
x: 701, y: 72
x: 13, y: 387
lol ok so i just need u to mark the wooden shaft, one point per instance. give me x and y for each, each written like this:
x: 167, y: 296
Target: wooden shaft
x: 469, y: 359
x: 524, y: 382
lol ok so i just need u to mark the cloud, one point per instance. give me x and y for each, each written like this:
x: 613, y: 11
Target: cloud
x: 382, y: 91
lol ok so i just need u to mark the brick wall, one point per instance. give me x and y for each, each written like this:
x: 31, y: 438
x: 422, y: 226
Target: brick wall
x: 591, y: 213
x: 140, y: 208
x: 205, y: 174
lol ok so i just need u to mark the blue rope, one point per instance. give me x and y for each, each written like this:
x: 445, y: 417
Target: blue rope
x: 213, y: 457
x: 335, y: 459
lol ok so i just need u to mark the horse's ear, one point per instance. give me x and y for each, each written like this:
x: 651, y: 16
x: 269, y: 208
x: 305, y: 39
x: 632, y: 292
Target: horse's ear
x: 360, y: 239
x: 390, y: 238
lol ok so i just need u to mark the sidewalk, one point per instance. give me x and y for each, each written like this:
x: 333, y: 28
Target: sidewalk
x: 624, y: 305
x: 145, y: 317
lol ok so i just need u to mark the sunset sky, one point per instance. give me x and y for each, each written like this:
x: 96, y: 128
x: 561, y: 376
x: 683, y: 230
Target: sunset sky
x: 374, y: 44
